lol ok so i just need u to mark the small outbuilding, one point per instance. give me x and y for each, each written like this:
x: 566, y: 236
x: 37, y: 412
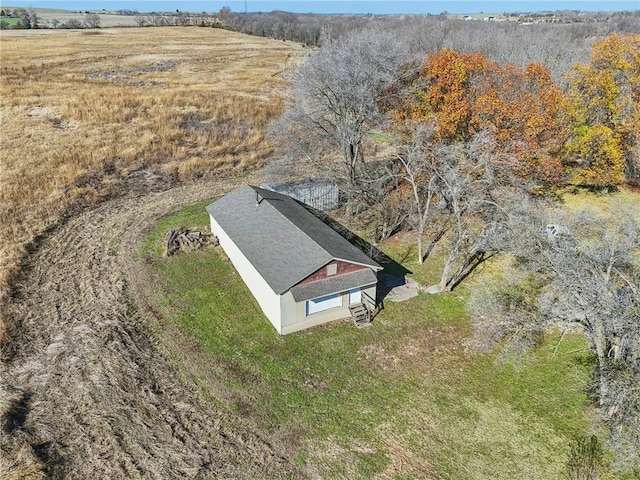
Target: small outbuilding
x: 301, y: 271
x: 319, y: 193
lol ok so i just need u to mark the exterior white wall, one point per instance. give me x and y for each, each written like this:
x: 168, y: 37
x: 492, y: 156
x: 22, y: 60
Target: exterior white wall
x: 268, y: 300
x: 294, y: 316
x: 289, y: 312
x: 284, y: 313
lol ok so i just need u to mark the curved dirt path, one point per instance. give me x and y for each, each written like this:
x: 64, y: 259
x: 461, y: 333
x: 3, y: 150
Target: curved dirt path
x: 93, y: 394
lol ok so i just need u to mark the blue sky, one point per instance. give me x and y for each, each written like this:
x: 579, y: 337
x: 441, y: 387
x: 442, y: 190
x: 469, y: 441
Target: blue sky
x: 332, y: 6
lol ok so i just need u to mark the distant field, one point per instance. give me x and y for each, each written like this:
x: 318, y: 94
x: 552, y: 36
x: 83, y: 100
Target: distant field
x: 107, y: 19
x: 83, y: 110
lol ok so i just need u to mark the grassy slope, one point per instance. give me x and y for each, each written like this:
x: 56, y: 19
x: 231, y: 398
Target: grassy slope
x: 623, y: 198
x: 399, y: 400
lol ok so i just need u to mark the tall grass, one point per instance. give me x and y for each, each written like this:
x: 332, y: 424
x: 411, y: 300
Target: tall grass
x: 80, y: 113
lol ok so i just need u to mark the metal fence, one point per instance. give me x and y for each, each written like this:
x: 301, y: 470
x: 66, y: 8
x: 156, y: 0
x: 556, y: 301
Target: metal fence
x: 319, y: 193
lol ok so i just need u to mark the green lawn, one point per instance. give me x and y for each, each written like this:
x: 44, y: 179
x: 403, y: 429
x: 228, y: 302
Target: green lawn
x: 603, y: 203
x: 9, y: 22
x: 401, y: 399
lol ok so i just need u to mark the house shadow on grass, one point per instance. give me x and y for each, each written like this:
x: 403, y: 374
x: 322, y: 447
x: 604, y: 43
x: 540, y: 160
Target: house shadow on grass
x: 393, y: 273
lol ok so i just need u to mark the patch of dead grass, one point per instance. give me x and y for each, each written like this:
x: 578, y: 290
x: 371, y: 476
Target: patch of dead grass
x: 24, y: 466
x: 77, y: 107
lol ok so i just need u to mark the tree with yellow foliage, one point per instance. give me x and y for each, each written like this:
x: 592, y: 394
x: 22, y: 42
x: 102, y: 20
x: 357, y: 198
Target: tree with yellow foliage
x: 604, y: 111
x: 598, y: 154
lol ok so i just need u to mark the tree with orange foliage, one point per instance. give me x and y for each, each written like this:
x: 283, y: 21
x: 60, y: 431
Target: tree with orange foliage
x: 604, y: 110
x: 441, y: 92
x: 522, y: 108
x: 465, y: 94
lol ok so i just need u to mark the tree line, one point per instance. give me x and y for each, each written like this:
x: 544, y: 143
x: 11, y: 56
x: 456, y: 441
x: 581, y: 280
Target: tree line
x: 29, y: 19
x: 315, y: 29
x: 467, y: 151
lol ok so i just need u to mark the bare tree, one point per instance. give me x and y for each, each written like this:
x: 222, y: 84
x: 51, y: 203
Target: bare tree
x: 33, y: 17
x: 72, y: 23
x: 596, y: 284
x: 335, y: 101
x: 382, y: 200
x: 418, y: 171
x: 92, y: 20
x: 157, y: 20
x: 142, y: 20
x: 456, y: 199
x: 585, y: 276
x: 471, y: 208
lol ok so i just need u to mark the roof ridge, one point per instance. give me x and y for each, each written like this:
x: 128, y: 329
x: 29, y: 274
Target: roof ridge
x: 283, y: 240
x: 301, y: 205
x: 294, y: 201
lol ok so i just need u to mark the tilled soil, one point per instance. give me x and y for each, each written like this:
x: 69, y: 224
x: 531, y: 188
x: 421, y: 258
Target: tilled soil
x: 91, y: 394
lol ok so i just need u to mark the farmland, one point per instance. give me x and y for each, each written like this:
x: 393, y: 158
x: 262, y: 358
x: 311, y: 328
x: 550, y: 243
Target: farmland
x: 117, y: 363
x: 49, y: 17
x: 120, y: 115
x: 84, y: 112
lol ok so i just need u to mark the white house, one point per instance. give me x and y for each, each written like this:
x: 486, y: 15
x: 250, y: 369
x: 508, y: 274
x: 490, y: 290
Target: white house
x: 301, y: 271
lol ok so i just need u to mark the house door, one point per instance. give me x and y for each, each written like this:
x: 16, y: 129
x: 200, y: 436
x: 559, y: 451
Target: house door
x: 355, y: 296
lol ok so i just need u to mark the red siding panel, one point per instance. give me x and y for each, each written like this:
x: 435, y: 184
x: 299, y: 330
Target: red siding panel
x: 343, y: 268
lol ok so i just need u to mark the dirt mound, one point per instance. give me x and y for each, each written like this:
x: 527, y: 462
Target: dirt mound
x: 87, y: 392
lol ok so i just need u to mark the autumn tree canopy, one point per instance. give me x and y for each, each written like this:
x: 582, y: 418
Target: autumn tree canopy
x: 465, y: 94
x: 604, y: 107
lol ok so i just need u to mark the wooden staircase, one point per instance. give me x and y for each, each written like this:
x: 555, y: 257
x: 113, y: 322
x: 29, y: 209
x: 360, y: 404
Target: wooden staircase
x: 360, y: 314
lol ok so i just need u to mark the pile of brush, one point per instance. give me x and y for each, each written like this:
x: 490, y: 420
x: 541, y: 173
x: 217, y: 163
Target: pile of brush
x: 182, y: 238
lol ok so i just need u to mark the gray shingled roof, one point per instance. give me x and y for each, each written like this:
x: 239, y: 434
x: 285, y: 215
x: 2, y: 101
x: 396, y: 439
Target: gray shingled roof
x: 284, y: 241
x: 340, y: 283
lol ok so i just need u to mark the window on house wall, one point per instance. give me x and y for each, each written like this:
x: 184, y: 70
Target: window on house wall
x: 324, y: 303
x: 332, y: 269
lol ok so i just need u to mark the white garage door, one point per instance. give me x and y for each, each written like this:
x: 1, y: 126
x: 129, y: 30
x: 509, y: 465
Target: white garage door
x: 324, y: 303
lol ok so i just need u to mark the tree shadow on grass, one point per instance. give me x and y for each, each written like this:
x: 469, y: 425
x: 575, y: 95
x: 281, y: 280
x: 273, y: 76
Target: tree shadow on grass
x: 393, y: 273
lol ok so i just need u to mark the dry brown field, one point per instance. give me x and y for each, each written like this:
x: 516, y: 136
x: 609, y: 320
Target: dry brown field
x: 83, y: 112
x: 103, y: 132
x: 46, y: 17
